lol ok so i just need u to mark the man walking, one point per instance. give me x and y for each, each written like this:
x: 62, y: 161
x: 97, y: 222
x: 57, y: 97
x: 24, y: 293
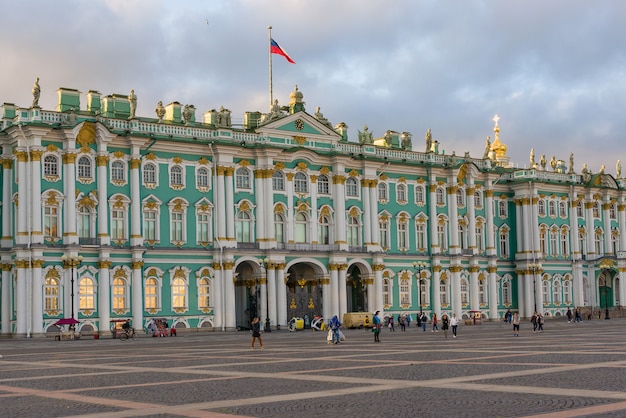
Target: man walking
x: 334, y: 326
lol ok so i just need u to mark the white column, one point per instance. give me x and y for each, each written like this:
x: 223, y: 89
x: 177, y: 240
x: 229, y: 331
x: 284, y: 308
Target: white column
x: 220, y: 207
x: 367, y: 218
x: 35, y: 198
x: 475, y: 301
x: 104, y: 294
x: 621, y: 216
x: 373, y: 189
x: 326, y: 296
x: 334, y: 288
x: 135, y: 206
x: 378, y: 288
x: 137, y: 294
x: 20, y: 297
x: 314, y: 212
x: 259, y: 194
x: 539, y: 287
x: 579, y: 295
x: 290, y: 227
x: 230, y: 205
x: 493, y: 292
x: 525, y: 288
x: 229, y: 296
x: 281, y: 294
x: 262, y: 308
x: 371, y: 294
x: 271, y: 288
x: 523, y: 235
x: 456, y: 304
x: 37, y: 297
x: 589, y: 227
x: 491, y: 246
x: 69, y: 190
x: 436, y: 291
x: 606, y: 221
x: 22, y: 193
x: 217, y: 290
x: 7, y: 192
x: 435, y: 245
x: 453, y: 215
x: 534, y: 225
x: 343, y: 298
x: 5, y: 303
x: 103, y: 205
x: 339, y: 198
x: 471, y: 217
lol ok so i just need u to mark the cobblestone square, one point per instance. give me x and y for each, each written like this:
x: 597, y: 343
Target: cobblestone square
x: 570, y: 370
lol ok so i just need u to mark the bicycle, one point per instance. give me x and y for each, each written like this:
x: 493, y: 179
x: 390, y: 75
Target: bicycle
x: 128, y: 333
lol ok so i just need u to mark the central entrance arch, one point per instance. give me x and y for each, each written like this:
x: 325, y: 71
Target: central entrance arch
x: 304, y: 292
x: 356, y: 293
x: 247, y: 294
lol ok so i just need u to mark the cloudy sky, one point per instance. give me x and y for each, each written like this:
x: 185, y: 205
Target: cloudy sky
x: 554, y: 71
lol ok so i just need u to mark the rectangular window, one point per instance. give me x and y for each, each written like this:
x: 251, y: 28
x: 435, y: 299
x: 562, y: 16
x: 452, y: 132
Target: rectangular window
x: 118, y: 221
x: 51, y: 222
x: 421, y: 237
x: 402, y: 236
x: 177, y: 227
x: 203, y: 227
x: 149, y: 226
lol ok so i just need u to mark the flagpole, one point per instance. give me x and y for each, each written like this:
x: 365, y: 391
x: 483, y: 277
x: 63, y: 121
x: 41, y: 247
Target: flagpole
x: 269, y: 46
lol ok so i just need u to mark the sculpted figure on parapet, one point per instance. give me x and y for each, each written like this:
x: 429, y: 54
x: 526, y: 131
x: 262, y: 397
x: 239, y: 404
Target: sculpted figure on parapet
x: 487, y: 148
x: 275, y: 112
x: 429, y: 141
x: 36, y: 93
x: 365, y: 137
x: 132, y: 99
x: 160, y: 111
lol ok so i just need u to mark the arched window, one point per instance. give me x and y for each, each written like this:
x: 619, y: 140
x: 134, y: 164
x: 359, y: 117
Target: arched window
x: 612, y: 211
x: 480, y: 235
x: 84, y: 167
x: 464, y: 292
x: 598, y: 241
x: 204, y: 293
x: 151, y: 292
x: 478, y: 199
x: 556, y: 292
x: 421, y: 240
x: 383, y: 230
x: 242, y: 178
x: 564, y: 241
x: 541, y: 208
x: 443, y: 293
x: 419, y: 194
x: 323, y: 229
x: 302, y: 222
x: 552, y: 208
x: 120, y: 294
x: 506, y: 292
x: 460, y: 197
x: 176, y: 176
x: 118, y: 171
x: 353, y: 236
x: 401, y: 193
x: 279, y: 227
x: 149, y: 173
x: 405, y: 292
x: 386, y: 292
x: 502, y: 209
x: 442, y: 236
x: 323, y: 184
x: 352, y: 189
x: 579, y: 209
x: 382, y: 192
x: 440, y: 196
x: 300, y: 183
x: 86, y: 222
x: 504, y: 243
x: 51, y: 165
x: 554, y: 240
x: 482, y: 300
x: 278, y: 180
x: 52, y: 290
x: 545, y: 291
x: 202, y: 178
x: 244, y: 226
x: 562, y: 209
x: 596, y: 209
x: 543, y: 242
x: 462, y: 235
x: 179, y: 293
x: 86, y: 294
x: 567, y: 292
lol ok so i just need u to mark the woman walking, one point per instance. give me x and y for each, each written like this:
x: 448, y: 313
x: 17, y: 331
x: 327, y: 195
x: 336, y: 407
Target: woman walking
x: 454, y: 323
x: 445, y: 321
x: 435, y: 328
x: 256, y: 332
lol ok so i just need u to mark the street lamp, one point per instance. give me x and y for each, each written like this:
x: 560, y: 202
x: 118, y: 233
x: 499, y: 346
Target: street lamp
x: 535, y: 268
x: 606, y: 266
x: 419, y: 266
x: 263, y: 262
x: 72, y: 261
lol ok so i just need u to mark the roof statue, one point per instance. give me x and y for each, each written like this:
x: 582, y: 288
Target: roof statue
x: 406, y: 143
x: 188, y: 114
x: 571, y: 163
x: 543, y: 162
x: 602, y: 168
x: 388, y: 138
x: 132, y: 99
x: 36, y: 93
x: 429, y: 141
x: 533, y: 164
x: 618, y: 169
x: 223, y: 119
x: 365, y: 137
x: 487, y: 148
x: 160, y: 111
x: 586, y: 173
x: 275, y: 112
x: 553, y: 163
x: 320, y: 116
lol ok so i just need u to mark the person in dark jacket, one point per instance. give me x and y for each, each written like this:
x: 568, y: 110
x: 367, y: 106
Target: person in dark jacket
x: 256, y: 332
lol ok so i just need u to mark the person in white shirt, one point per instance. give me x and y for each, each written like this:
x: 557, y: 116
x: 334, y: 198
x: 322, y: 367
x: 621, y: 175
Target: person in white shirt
x: 454, y: 323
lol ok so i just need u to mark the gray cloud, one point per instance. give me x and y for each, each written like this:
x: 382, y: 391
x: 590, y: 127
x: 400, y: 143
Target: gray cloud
x: 553, y: 71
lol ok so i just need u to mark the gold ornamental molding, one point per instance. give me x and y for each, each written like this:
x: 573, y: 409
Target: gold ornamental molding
x: 474, y: 269
x: 135, y: 265
x: 7, y: 163
x: 456, y: 269
x: 489, y: 193
x: 378, y: 267
x: 135, y: 163
x: 102, y: 160
x: 338, y: 179
x: 104, y: 264
x: 436, y: 269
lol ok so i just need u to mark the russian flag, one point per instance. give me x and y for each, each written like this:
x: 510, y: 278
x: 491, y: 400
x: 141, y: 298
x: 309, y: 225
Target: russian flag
x: 276, y: 49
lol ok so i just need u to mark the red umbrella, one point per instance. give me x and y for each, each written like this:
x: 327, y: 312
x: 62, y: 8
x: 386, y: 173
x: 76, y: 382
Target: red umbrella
x: 66, y: 321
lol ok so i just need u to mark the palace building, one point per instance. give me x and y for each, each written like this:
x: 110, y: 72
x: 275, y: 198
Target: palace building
x: 109, y: 215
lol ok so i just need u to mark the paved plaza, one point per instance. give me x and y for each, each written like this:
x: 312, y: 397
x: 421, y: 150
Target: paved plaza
x: 570, y: 370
